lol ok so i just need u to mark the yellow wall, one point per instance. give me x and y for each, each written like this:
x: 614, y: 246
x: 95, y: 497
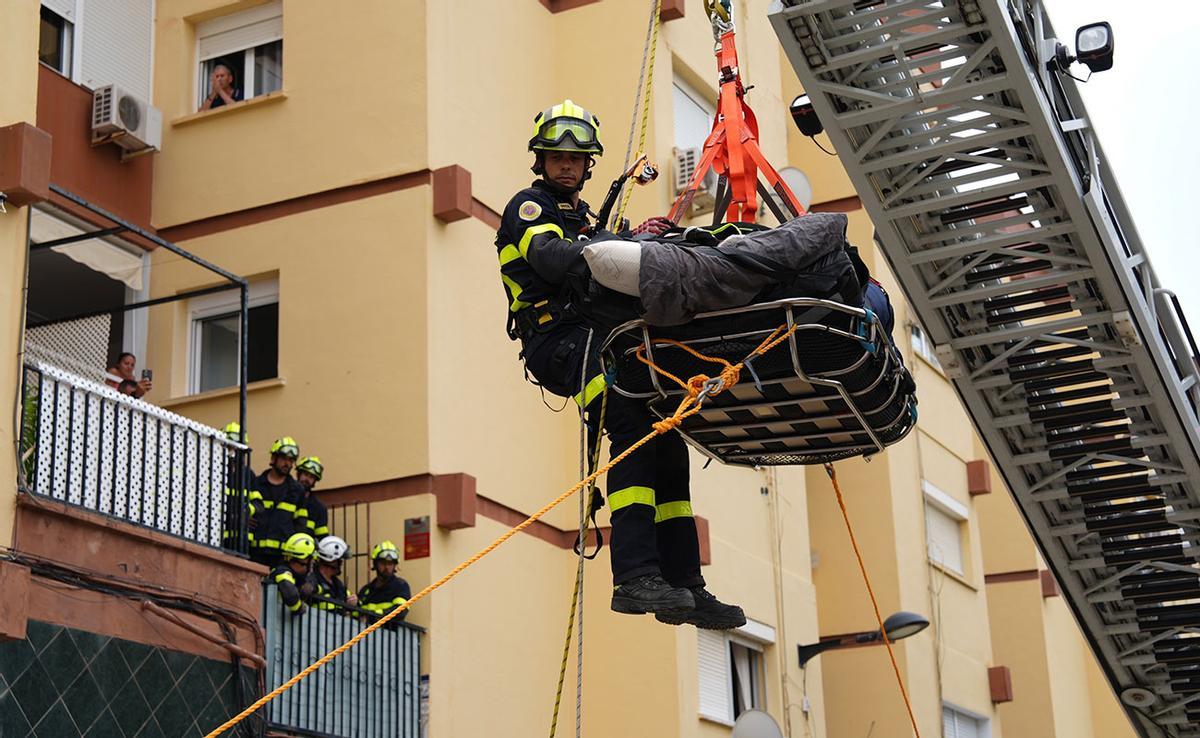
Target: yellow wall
x: 352, y: 109
x: 18, y: 103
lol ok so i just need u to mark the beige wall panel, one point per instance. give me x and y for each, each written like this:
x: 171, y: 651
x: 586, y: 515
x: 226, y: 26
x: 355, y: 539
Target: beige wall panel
x: 352, y: 294
x: 1108, y: 717
x: 862, y: 698
x: 485, y: 419
x: 490, y: 72
x: 1068, y: 655
x: 496, y: 634
x: 1007, y: 545
x: 1019, y: 640
x: 347, y: 117
x: 18, y: 103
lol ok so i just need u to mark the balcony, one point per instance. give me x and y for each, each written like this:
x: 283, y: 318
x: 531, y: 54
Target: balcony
x: 84, y: 444
x: 370, y: 691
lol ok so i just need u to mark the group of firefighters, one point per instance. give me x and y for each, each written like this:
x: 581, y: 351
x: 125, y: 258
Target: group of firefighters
x: 287, y: 528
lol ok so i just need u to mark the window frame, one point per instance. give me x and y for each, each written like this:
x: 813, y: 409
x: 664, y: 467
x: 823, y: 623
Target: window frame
x: 262, y: 292
x: 957, y: 512
x: 922, y: 346
x: 754, y: 637
x: 66, y: 41
x: 693, y: 95
x: 983, y: 723
x: 230, y: 22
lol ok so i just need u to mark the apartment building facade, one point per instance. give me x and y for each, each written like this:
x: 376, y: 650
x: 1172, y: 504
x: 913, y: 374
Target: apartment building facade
x: 356, y: 187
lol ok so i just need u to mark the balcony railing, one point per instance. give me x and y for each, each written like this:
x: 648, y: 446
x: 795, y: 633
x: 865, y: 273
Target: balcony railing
x: 370, y: 691
x: 84, y: 444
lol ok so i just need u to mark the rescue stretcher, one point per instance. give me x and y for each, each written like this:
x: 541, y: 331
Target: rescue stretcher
x: 836, y: 388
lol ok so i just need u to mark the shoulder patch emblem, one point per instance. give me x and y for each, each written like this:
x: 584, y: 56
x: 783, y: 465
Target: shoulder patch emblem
x: 529, y: 210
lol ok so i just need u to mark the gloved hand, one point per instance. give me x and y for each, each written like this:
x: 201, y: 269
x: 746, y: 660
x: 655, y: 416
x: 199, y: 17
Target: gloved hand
x: 655, y: 226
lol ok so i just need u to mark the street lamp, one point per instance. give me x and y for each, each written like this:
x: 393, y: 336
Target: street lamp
x: 898, y: 625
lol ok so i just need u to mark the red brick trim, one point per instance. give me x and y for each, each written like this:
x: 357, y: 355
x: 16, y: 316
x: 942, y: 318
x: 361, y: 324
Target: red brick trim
x: 979, y: 477
x: 293, y: 205
x: 1049, y: 584
x: 1000, y: 684
x: 558, y: 6
x: 844, y: 205
x: 485, y: 214
x: 24, y: 164
x: 14, y: 605
x: 1011, y: 576
x: 458, y: 504
x: 671, y: 10
x: 452, y: 193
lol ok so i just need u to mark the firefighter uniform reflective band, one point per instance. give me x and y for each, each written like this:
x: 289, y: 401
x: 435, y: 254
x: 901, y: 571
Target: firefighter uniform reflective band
x: 623, y: 498
x: 285, y: 580
x: 383, y: 599
x: 593, y: 390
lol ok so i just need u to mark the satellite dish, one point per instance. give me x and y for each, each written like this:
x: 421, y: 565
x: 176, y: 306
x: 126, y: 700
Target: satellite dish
x: 798, y: 182
x: 756, y: 724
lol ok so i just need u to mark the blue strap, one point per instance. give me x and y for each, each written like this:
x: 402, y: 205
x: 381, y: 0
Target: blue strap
x: 861, y: 331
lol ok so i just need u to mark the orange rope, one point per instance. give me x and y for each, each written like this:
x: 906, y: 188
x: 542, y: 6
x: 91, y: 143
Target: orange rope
x: 690, y: 405
x: 875, y: 604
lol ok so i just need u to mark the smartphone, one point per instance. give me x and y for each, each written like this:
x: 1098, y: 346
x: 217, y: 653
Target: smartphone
x: 147, y: 375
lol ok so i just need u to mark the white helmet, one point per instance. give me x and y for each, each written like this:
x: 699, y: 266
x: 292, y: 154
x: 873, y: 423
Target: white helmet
x: 332, y: 548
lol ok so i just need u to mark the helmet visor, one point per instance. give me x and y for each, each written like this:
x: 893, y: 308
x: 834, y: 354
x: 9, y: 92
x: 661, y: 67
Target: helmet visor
x: 555, y: 132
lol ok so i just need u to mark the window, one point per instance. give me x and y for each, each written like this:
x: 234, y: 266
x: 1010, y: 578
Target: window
x: 922, y: 346
x: 55, y: 41
x: 249, y: 44
x: 944, y: 517
x: 215, y: 337
x: 960, y: 724
x: 693, y: 116
x: 732, y: 671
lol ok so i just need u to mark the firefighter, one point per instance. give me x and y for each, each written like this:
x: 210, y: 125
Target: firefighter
x: 655, y: 550
x: 291, y: 576
x: 276, y: 510
x: 325, y: 576
x: 308, y: 472
x: 387, y: 590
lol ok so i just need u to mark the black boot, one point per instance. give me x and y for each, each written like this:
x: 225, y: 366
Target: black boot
x: 651, y: 593
x: 709, y: 613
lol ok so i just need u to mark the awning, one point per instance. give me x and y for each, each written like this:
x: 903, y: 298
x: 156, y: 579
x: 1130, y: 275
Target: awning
x: 103, y: 256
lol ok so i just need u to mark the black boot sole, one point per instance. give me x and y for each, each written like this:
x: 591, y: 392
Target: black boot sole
x: 703, y: 621
x: 629, y: 606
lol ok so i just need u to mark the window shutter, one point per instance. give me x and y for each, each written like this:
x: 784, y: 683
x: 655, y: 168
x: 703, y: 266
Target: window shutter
x: 65, y: 8
x: 116, y: 45
x: 240, y: 31
x: 949, y: 727
x: 944, y: 538
x: 715, y: 690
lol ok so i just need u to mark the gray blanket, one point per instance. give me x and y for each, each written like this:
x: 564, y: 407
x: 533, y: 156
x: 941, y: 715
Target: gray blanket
x: 678, y: 281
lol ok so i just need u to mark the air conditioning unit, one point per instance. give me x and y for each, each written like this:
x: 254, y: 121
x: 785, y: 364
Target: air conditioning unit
x: 126, y: 120
x: 686, y: 161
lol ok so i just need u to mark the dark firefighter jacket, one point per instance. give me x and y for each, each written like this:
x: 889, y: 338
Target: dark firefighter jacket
x: 380, y: 597
x: 276, y: 510
x: 284, y: 579
x: 327, y: 589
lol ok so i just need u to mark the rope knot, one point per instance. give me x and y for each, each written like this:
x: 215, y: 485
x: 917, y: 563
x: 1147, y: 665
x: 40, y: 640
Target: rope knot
x: 696, y: 384
x: 666, y: 425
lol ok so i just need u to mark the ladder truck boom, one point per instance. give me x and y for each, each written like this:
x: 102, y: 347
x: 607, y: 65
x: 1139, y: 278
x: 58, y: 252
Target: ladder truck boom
x: 996, y: 209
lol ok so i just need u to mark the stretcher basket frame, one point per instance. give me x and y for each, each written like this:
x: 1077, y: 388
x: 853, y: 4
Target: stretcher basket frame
x: 663, y: 397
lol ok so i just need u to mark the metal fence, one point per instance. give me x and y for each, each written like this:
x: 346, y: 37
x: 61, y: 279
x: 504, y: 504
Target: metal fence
x: 84, y: 444
x: 370, y: 691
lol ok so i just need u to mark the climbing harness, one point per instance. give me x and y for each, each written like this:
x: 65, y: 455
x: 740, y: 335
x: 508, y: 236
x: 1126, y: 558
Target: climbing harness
x: 731, y: 149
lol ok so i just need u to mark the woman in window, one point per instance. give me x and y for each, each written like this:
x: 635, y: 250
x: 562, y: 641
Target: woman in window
x: 122, y: 371
x: 220, y: 82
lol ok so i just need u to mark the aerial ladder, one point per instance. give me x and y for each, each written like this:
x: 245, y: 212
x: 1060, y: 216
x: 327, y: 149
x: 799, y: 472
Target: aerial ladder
x: 998, y: 213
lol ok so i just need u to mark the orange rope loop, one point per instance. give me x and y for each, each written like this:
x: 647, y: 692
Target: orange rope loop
x: 874, y: 603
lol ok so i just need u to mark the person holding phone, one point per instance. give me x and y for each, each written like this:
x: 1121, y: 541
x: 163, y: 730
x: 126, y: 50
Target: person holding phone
x: 122, y: 370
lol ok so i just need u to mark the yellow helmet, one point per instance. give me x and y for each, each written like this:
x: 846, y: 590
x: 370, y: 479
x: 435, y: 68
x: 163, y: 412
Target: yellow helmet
x: 312, y: 465
x: 385, y: 550
x: 300, y: 546
x: 566, y: 127
x: 285, y: 446
x: 233, y: 431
